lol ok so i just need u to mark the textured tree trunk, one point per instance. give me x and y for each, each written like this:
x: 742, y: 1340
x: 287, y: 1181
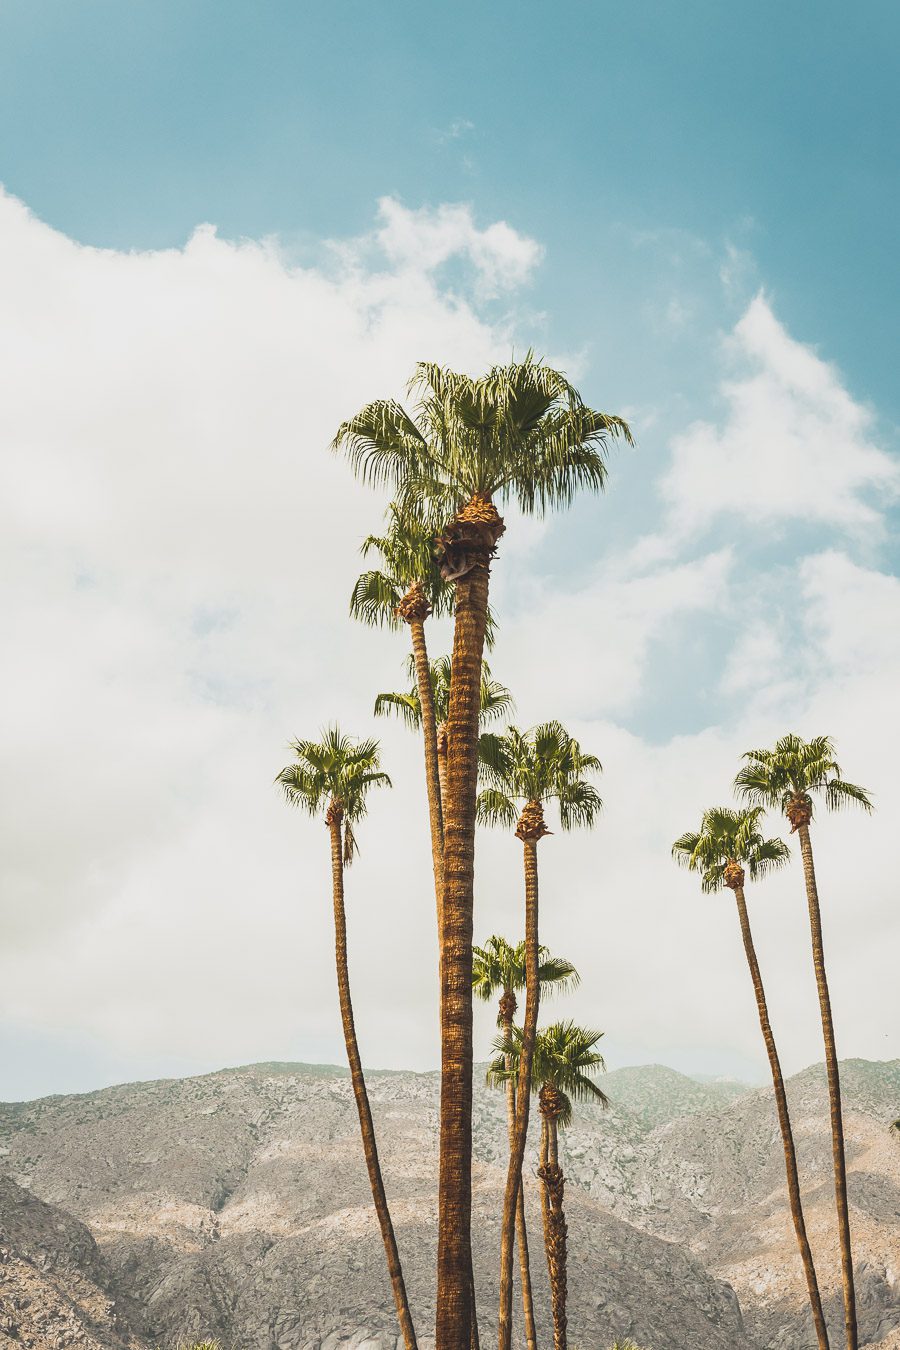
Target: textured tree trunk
x: 432, y: 777
x: 784, y: 1120
x: 367, y: 1128
x: 834, y: 1089
x: 523, y: 1088
x: 442, y: 759
x: 454, y: 1263
x: 555, y: 1232
x: 521, y: 1230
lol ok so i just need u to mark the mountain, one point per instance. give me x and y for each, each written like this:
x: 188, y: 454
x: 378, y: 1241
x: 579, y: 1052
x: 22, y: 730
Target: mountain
x: 236, y: 1205
x: 54, y: 1287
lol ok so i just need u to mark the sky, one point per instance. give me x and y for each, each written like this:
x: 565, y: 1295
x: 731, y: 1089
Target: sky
x: 225, y: 227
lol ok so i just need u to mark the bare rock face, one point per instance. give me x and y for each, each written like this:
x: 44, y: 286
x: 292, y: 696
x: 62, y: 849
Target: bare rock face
x: 237, y: 1205
x: 53, y: 1284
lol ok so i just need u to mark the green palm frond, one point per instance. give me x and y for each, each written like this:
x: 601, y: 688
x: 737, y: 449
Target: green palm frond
x: 496, y: 699
x: 565, y: 1056
x: 407, y: 556
x: 405, y: 706
x: 798, y: 769
x: 728, y: 835
x: 336, y: 768
x: 495, y: 808
x: 521, y: 431
x: 374, y: 599
x: 543, y: 764
x: 498, y: 966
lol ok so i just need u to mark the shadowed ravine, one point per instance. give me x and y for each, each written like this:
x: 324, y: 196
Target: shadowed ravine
x: 236, y: 1205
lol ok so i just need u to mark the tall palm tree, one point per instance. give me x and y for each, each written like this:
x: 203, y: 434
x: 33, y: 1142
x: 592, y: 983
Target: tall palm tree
x: 498, y: 967
x: 562, y: 1069
x: 787, y: 777
x: 530, y: 768
x: 520, y: 432
x: 728, y: 847
x: 408, y: 588
x: 333, y: 777
x: 495, y: 701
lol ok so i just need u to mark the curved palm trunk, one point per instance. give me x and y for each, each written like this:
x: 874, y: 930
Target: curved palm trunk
x: 506, y: 1021
x: 784, y: 1120
x: 432, y: 777
x: 529, y: 829
x: 555, y: 1231
x: 454, y: 1318
x: 367, y: 1128
x: 834, y: 1088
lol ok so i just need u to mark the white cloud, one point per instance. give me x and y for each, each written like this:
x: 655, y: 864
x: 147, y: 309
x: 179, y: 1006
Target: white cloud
x: 179, y: 547
x: 422, y: 240
x: 588, y: 648
x: 793, y: 446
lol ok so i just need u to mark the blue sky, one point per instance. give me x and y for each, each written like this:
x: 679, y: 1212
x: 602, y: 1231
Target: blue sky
x: 770, y: 125
x: 693, y: 208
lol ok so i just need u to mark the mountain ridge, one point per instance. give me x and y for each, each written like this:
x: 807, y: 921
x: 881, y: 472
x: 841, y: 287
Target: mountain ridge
x: 235, y: 1204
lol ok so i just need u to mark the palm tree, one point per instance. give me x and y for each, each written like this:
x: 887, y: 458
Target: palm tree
x: 333, y: 776
x: 495, y: 701
x: 408, y: 588
x: 562, y: 1066
x: 787, y: 777
x: 498, y: 967
x: 522, y: 433
x: 727, y: 847
x: 530, y: 768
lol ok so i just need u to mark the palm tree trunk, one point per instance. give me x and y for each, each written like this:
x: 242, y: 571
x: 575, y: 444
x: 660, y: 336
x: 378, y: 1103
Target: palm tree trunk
x: 555, y: 1234
x: 784, y: 1120
x: 543, y: 1159
x: 834, y: 1088
x: 523, y: 1093
x: 442, y: 760
x: 521, y: 1230
x: 454, y: 1261
x: 366, y: 1125
x: 432, y: 778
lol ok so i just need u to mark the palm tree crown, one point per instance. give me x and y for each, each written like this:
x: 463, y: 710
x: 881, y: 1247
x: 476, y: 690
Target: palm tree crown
x: 520, y: 431
x: 564, y: 1059
x: 496, y: 700
x: 336, y: 774
x: 728, y: 837
x: 536, y: 766
x: 498, y: 966
x: 407, y: 559
x: 787, y: 776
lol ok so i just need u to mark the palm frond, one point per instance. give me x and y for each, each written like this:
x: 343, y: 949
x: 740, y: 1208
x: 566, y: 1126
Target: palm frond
x: 405, y: 706
x: 495, y: 808
x: 840, y: 794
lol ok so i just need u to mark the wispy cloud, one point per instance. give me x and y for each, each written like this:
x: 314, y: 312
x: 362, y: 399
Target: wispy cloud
x: 455, y: 131
x: 793, y: 443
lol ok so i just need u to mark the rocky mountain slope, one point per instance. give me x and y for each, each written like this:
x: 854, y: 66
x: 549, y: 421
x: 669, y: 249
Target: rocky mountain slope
x: 237, y: 1205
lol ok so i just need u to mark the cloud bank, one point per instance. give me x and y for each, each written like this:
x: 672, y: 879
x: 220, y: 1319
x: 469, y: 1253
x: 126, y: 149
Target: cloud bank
x: 179, y: 549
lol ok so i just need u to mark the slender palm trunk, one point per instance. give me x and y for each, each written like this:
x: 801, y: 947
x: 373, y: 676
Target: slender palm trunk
x: 530, y: 831
x: 555, y: 1230
x: 784, y: 1120
x: 454, y: 1263
x: 442, y: 760
x: 834, y: 1089
x: 366, y: 1125
x: 521, y: 1230
x: 432, y: 777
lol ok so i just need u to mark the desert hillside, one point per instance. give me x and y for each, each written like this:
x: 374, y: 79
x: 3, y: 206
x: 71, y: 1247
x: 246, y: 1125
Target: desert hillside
x: 237, y: 1205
